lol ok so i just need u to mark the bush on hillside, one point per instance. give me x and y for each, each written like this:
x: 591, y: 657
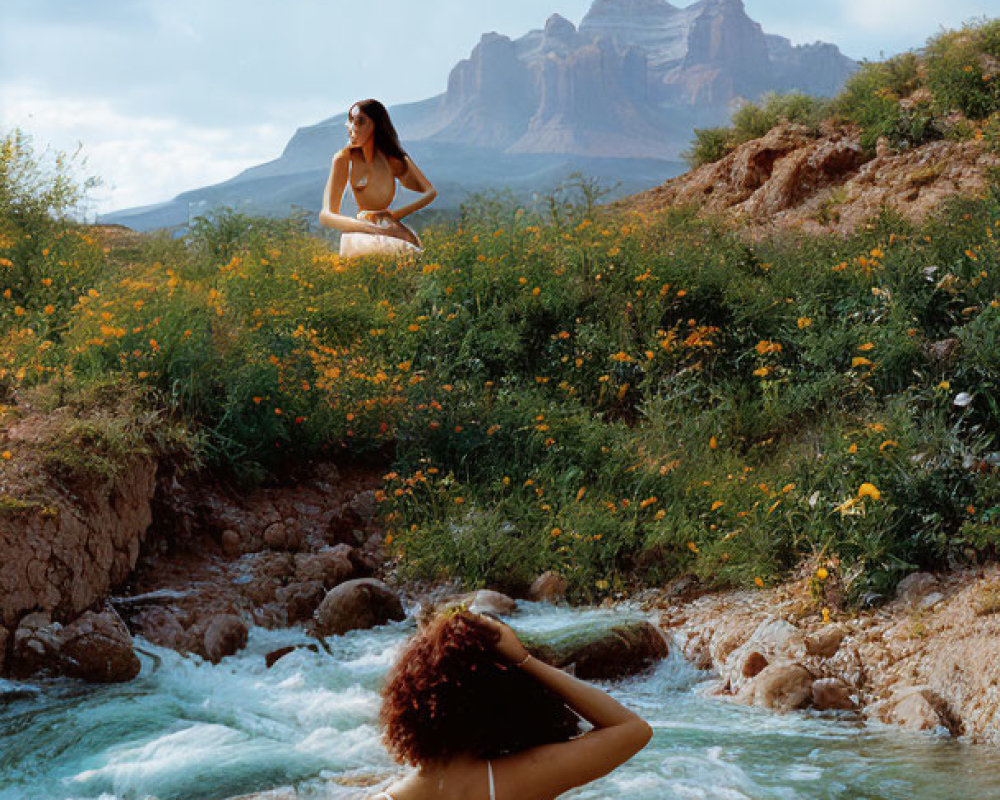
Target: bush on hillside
x: 963, y: 70
x: 753, y: 120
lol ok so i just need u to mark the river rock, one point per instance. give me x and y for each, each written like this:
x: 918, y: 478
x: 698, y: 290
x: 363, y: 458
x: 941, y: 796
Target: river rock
x: 36, y: 644
x: 224, y: 635
x: 358, y: 603
x: 285, y: 535
x: 773, y: 640
x: 549, y: 587
x: 329, y: 566
x: 489, y: 601
x: 782, y: 687
x: 825, y: 642
x: 231, y: 544
x: 345, y: 527
x: 365, y: 505
x: 917, y: 708
x: 97, y: 648
x: 602, y: 650
x: 914, y: 586
x: 300, y: 600
x: 832, y: 694
x: 160, y: 626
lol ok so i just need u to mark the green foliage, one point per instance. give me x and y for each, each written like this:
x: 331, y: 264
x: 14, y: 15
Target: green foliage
x: 709, y: 145
x: 963, y: 69
x: 753, y: 120
x: 908, y: 100
x: 624, y: 400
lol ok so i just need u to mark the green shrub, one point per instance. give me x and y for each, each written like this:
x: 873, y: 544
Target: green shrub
x: 963, y: 69
x: 709, y: 145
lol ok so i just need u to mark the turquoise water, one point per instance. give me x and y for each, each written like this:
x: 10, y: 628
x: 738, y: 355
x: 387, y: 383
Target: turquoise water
x: 186, y: 729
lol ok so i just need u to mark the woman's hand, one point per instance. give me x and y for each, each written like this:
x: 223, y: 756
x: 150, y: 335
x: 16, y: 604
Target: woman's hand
x: 508, y: 645
x: 388, y: 225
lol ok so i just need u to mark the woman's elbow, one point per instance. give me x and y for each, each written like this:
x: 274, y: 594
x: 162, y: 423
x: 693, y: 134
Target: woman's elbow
x: 431, y: 195
x: 643, y: 734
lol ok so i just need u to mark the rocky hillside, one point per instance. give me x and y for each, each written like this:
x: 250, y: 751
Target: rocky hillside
x: 797, y: 179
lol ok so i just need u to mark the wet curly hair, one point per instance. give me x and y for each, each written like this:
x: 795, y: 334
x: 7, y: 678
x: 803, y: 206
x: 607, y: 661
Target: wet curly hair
x: 451, y: 693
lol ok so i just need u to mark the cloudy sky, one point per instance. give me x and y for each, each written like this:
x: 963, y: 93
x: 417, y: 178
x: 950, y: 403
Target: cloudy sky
x: 167, y: 95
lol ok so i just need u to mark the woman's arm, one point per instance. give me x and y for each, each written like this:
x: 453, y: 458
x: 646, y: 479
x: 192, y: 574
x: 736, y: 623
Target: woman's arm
x: 545, y: 772
x: 412, y: 178
x: 330, y: 216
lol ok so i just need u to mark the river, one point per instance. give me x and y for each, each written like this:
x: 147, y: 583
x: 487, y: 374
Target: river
x: 188, y: 730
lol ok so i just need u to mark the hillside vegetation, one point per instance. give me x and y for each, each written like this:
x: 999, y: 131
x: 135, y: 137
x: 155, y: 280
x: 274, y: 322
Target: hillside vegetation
x: 622, y: 399
x: 948, y: 90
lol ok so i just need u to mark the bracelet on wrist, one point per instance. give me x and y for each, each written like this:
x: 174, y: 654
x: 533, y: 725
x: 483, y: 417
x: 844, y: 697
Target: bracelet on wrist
x: 523, y: 661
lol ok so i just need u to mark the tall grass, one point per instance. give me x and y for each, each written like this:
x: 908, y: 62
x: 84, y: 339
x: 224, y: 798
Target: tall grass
x: 623, y: 399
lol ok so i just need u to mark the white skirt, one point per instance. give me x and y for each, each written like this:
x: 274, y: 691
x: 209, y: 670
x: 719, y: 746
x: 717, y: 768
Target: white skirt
x: 366, y: 244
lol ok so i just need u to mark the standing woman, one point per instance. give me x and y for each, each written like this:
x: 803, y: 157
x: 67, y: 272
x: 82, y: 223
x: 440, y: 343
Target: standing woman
x: 482, y: 719
x: 372, y: 161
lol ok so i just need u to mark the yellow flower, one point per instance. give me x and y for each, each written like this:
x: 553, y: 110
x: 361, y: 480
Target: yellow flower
x: 7, y: 455
x: 579, y: 495
x: 717, y: 505
x: 759, y: 582
x: 864, y: 348
x: 826, y: 615
x: 944, y: 385
x: 822, y: 573
x: 860, y: 361
x: 853, y: 448
x: 660, y: 514
x: 713, y: 443
x: 762, y: 372
x: 647, y: 502
x: 536, y: 291
x: 693, y: 547
x: 887, y: 444
x: 869, y: 490
x: 804, y: 322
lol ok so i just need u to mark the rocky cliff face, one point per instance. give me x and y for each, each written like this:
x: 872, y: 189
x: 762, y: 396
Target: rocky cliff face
x: 632, y: 81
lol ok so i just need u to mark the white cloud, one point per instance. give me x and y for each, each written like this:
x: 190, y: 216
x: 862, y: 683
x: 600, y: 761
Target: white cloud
x: 141, y: 159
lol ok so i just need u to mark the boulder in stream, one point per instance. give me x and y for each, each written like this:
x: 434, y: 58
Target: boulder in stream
x: 360, y: 603
x: 602, y: 650
x: 549, y: 587
x: 490, y: 602
x: 96, y: 647
x: 225, y: 635
x: 782, y: 687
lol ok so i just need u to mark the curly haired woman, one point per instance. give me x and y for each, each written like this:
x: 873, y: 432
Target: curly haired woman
x: 481, y: 718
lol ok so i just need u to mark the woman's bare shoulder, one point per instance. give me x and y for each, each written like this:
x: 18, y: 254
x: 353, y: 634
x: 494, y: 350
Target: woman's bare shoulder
x: 399, y: 166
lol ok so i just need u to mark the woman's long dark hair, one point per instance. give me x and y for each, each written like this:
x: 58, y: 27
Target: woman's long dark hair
x: 386, y: 138
x: 451, y: 693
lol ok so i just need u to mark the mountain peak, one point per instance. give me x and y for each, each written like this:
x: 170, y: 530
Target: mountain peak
x: 557, y: 26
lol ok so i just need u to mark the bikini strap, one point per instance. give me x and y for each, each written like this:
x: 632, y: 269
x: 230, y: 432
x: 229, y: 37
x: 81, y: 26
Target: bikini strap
x: 489, y: 769
x: 386, y: 795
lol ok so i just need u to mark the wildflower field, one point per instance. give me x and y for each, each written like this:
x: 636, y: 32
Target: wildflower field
x: 622, y: 398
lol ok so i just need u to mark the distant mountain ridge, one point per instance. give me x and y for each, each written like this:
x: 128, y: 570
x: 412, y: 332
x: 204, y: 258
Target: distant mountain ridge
x: 619, y: 95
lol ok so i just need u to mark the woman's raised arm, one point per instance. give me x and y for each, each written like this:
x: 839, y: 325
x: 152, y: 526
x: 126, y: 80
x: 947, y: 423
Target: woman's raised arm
x: 544, y: 772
